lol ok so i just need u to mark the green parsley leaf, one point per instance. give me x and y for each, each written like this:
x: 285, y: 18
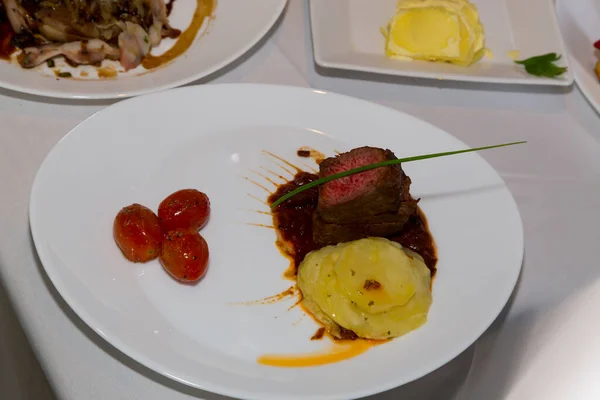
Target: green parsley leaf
x: 543, y: 65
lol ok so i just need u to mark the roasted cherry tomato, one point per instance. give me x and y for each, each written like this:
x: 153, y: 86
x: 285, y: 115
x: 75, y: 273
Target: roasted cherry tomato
x: 184, y: 209
x: 184, y: 254
x: 138, y: 233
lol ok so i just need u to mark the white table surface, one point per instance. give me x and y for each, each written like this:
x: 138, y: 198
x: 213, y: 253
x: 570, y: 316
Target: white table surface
x: 545, y: 343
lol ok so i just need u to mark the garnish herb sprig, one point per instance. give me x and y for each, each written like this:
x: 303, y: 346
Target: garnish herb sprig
x: 543, y: 65
x: 379, y: 165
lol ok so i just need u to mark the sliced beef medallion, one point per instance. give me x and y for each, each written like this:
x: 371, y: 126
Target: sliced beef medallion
x: 371, y: 203
x: 372, y: 192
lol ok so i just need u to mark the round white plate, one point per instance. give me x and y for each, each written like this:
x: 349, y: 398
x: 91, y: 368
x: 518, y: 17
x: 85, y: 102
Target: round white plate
x: 580, y: 25
x: 143, y: 149
x: 235, y: 28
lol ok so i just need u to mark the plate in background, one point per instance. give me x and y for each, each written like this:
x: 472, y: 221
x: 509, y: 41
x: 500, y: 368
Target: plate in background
x: 347, y: 35
x: 235, y: 28
x: 580, y: 25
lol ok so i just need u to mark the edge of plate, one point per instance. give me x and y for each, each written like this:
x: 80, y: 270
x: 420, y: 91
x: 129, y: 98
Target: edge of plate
x: 205, y: 385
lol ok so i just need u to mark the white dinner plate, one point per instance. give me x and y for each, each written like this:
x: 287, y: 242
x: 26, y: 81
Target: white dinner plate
x: 234, y: 28
x: 347, y: 35
x: 143, y: 149
x: 580, y: 25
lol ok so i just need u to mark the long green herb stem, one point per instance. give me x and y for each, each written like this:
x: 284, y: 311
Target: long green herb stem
x: 379, y: 165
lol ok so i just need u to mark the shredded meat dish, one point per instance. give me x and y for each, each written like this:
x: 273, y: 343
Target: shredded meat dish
x: 87, y: 31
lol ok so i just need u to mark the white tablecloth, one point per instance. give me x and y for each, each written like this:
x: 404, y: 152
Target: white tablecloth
x: 542, y: 345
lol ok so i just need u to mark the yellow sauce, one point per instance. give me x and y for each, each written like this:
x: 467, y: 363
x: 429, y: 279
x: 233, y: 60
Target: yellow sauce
x: 107, y: 72
x: 340, y: 351
x: 514, y: 55
x: 204, y: 9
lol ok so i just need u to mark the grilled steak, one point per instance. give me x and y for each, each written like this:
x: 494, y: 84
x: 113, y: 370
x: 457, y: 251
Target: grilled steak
x: 371, y: 203
x: 372, y: 192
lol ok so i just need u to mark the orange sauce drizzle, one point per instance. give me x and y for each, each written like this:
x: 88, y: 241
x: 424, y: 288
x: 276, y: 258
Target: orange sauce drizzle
x: 259, y: 185
x: 265, y: 177
x: 204, y: 10
x: 287, y: 293
x: 276, y: 174
x: 261, y: 225
x: 339, y: 351
x: 283, y: 161
x: 262, y: 212
x: 107, y: 72
x: 316, y: 155
x: 312, y: 169
x: 256, y: 198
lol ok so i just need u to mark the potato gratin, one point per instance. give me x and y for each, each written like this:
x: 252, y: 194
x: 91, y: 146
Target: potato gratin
x: 436, y: 30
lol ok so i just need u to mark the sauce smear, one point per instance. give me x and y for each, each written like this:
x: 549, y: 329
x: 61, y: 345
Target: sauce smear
x: 307, y: 152
x: 319, y: 334
x: 340, y: 351
x: 293, y: 219
x: 169, y: 4
x: 107, y: 72
x: 6, y: 35
x: 204, y: 9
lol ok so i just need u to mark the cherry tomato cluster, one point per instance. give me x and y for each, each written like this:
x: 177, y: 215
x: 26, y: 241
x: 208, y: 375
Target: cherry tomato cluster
x: 172, y: 235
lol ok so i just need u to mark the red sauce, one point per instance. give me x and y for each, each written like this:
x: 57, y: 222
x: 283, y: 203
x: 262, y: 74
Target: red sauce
x: 319, y: 334
x: 293, y: 222
x: 293, y: 218
x: 415, y: 235
x: 6, y: 35
x: 9, y: 40
x: 169, y: 5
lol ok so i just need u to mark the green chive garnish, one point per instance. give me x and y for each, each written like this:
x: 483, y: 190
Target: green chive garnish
x: 379, y: 165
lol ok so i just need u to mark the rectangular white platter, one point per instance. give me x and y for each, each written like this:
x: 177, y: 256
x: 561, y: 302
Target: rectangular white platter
x: 347, y: 35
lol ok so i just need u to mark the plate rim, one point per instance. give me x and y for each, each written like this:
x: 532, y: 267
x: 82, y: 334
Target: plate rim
x: 248, y: 46
x: 139, y: 357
